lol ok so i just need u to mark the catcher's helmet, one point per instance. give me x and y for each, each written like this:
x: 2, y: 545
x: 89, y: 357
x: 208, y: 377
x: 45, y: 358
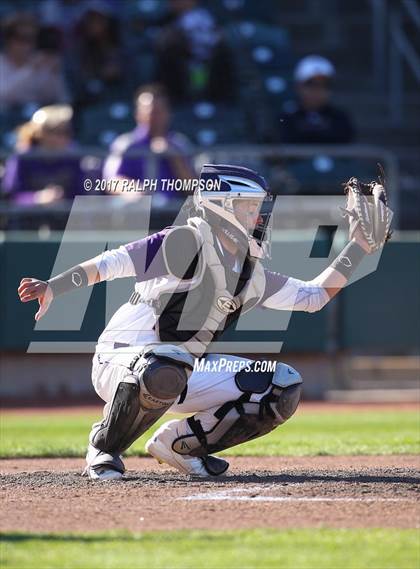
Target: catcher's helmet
x: 217, y: 206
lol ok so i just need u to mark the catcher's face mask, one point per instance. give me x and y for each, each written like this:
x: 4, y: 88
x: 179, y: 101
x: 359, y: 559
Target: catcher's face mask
x: 255, y: 216
x: 241, y: 208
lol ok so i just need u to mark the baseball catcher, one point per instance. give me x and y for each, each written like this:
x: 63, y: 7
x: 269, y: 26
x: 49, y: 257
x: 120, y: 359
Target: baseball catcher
x: 192, y: 282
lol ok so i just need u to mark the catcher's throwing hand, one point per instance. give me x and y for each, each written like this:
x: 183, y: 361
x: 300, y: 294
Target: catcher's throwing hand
x: 31, y: 289
x: 368, y: 213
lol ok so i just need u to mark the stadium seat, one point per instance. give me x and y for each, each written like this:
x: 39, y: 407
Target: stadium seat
x: 232, y: 10
x: 277, y: 93
x: 265, y: 46
x: 324, y: 174
x: 263, y: 60
x: 148, y: 11
x: 278, y: 88
x: 143, y: 68
x: 8, y: 7
x: 101, y: 124
x: 207, y: 124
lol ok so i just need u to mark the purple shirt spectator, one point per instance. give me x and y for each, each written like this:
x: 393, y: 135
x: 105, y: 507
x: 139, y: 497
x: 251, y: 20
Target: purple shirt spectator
x: 28, y: 172
x: 126, y: 160
x: 165, y: 153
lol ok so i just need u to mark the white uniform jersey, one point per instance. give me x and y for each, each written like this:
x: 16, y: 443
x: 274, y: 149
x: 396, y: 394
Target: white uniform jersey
x: 133, y: 324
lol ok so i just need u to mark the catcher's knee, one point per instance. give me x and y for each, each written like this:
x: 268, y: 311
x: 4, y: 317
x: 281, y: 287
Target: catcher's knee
x: 154, y: 381
x: 163, y: 379
x: 242, y: 420
x: 286, y: 400
x: 162, y: 373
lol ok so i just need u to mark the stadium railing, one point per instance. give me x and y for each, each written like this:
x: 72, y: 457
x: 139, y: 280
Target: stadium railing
x: 289, y: 169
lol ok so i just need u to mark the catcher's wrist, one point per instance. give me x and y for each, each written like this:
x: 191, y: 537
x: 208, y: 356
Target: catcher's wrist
x: 361, y: 244
x: 349, y: 259
x: 69, y: 280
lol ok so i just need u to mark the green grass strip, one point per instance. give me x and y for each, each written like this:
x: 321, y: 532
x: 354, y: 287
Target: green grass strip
x: 294, y: 549
x: 306, y: 434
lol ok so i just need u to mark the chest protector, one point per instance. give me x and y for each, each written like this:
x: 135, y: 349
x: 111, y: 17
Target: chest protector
x: 195, y: 312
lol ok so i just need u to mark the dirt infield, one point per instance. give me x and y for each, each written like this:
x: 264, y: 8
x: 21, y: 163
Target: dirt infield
x: 352, y: 492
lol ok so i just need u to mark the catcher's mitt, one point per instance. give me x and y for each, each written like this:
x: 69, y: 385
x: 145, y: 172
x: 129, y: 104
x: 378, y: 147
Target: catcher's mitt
x: 368, y: 212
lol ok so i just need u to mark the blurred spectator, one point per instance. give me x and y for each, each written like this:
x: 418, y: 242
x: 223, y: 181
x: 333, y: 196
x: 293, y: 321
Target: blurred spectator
x: 96, y: 63
x: 152, y: 114
x: 193, y: 60
x: 64, y: 14
x: 46, y: 166
x: 29, y: 74
x: 315, y: 120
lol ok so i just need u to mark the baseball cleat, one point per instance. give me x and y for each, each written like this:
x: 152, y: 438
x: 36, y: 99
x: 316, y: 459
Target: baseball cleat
x: 162, y: 451
x: 102, y: 473
x: 103, y: 466
x: 165, y: 455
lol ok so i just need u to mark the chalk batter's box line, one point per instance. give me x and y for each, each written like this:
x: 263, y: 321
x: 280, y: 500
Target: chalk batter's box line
x: 231, y: 495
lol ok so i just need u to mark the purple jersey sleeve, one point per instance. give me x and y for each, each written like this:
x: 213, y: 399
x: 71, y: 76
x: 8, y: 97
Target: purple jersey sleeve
x: 147, y: 256
x: 273, y: 283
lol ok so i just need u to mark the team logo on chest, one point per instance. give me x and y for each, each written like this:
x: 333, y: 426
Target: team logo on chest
x: 227, y: 305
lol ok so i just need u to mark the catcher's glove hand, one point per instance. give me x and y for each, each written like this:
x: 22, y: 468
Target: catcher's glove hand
x: 368, y: 212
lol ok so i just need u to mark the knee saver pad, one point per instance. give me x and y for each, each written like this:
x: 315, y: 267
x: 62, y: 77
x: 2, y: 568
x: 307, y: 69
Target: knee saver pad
x: 290, y: 381
x: 249, y: 380
x: 288, y: 400
x: 285, y: 375
x: 164, y: 379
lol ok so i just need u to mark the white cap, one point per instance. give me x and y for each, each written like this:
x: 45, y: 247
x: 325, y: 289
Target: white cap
x: 53, y: 116
x: 311, y: 66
